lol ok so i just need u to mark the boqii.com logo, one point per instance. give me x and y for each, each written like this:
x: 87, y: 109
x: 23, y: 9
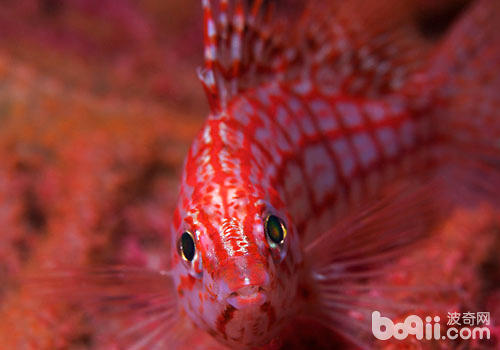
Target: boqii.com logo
x: 468, y: 325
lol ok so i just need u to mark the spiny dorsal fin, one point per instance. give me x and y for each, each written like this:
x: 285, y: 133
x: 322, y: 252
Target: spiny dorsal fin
x: 346, y: 46
x: 364, y: 48
x: 241, y: 46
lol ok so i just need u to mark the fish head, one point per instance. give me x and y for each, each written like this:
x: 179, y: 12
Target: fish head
x: 235, y: 260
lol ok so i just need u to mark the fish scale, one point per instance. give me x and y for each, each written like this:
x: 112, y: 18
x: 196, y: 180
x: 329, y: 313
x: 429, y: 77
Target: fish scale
x: 264, y: 171
x: 367, y: 128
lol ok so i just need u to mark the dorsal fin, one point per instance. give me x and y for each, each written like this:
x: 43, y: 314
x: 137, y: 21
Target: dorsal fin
x: 361, y: 47
x: 241, y: 46
x: 357, y: 47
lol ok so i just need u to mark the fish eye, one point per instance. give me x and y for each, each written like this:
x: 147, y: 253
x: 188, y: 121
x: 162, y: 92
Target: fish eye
x: 186, y: 247
x: 275, y: 229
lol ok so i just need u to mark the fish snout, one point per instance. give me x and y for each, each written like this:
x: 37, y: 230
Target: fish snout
x: 244, y: 283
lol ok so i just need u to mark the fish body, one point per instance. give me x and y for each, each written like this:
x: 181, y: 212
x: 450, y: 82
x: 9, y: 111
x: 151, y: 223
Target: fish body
x: 300, y: 156
x: 304, y: 151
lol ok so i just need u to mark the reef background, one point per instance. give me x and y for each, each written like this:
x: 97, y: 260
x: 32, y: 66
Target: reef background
x: 99, y: 101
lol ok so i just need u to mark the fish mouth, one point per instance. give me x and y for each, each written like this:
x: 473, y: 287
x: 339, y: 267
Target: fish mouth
x: 247, y: 297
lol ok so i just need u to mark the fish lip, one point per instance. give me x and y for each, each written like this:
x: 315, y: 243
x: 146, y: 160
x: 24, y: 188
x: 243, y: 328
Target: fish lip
x: 247, y: 297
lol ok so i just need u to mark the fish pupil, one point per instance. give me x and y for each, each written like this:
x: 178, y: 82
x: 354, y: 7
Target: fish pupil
x: 275, y: 229
x: 186, y: 246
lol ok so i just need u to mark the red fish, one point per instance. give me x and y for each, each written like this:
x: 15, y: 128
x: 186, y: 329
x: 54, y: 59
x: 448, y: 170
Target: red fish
x: 334, y: 145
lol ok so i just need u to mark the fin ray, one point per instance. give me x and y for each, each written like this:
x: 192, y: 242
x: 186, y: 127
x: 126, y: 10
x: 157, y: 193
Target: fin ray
x: 136, y: 307
x: 338, y: 45
x: 355, y: 264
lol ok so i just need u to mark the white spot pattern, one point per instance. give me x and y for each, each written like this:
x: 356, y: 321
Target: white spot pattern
x: 366, y: 149
x: 232, y: 235
x: 323, y: 111
x: 303, y: 118
x: 295, y: 187
x: 242, y: 111
x: 350, y: 114
x: 387, y: 139
x: 320, y: 171
x: 375, y: 111
x: 344, y: 154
